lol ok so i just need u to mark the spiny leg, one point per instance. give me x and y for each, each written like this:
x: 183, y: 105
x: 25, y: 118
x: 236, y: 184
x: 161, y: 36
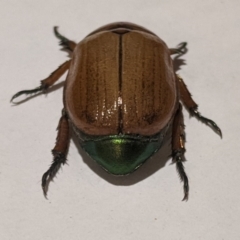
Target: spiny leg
x: 180, y: 49
x: 67, y: 44
x: 59, y: 152
x: 46, y: 83
x: 178, y: 149
x: 192, y: 107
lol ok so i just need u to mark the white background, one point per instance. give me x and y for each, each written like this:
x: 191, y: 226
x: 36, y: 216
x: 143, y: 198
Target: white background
x: 84, y: 202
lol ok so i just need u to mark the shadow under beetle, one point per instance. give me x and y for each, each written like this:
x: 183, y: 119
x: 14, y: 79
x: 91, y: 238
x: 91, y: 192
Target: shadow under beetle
x: 120, y: 97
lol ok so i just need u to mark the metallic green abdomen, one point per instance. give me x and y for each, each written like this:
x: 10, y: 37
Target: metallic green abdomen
x: 122, y: 154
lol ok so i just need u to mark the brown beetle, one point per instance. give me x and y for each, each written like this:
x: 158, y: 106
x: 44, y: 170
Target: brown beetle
x: 120, y: 96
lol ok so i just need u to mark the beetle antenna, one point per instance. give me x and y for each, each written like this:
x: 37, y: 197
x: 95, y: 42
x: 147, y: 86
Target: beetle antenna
x: 67, y: 45
x: 180, y: 50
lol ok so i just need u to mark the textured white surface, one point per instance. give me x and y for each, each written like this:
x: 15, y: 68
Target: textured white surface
x: 84, y: 202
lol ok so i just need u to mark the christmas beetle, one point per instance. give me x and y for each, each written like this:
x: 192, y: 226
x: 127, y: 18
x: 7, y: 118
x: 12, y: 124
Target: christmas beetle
x: 120, y: 97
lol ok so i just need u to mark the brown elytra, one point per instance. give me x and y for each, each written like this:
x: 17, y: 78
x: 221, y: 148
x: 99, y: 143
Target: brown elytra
x: 121, y: 83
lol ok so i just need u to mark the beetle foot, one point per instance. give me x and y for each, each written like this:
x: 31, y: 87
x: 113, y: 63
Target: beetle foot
x: 31, y: 91
x: 48, y: 176
x: 178, y: 159
x: 207, y: 121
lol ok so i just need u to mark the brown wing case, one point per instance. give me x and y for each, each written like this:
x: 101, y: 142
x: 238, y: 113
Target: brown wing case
x: 91, y: 94
x: 148, y: 84
x: 121, y: 83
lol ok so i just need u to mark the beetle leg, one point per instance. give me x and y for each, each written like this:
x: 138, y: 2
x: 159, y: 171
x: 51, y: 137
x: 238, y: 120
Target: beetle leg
x: 59, y: 152
x: 192, y: 107
x: 180, y: 49
x: 67, y: 45
x: 47, y: 82
x: 178, y: 149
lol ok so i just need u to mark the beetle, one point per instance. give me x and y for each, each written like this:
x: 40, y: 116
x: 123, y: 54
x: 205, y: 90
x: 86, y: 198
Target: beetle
x: 121, y: 96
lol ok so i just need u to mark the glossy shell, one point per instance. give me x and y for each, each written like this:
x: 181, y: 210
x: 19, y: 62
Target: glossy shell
x: 121, y: 81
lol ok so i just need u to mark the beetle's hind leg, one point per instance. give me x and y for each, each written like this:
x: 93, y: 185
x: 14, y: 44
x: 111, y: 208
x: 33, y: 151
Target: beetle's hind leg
x: 178, y: 149
x: 59, y: 152
x: 67, y: 45
x: 180, y: 49
x: 192, y: 107
x: 47, y: 82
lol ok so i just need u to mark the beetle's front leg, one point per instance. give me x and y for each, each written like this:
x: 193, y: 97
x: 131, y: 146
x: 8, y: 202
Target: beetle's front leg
x: 192, y: 107
x: 47, y: 82
x: 59, y: 152
x: 178, y: 149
